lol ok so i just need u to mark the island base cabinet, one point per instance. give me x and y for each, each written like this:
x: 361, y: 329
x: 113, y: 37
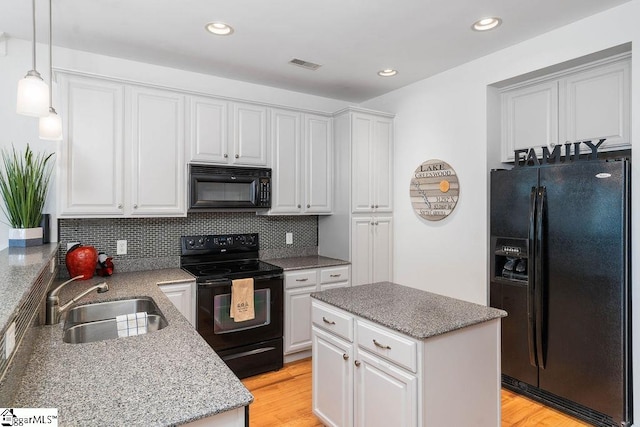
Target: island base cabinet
x: 233, y: 418
x: 384, y: 395
x: 367, y: 375
x: 332, y: 371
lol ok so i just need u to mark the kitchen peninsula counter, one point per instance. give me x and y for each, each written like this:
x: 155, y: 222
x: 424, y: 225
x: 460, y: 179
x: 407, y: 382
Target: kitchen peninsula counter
x: 167, y: 377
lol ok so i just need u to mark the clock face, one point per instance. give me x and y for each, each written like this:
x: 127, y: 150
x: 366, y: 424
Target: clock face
x: 434, y: 190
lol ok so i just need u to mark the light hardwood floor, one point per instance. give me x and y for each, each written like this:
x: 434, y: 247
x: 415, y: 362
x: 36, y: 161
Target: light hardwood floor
x: 283, y: 398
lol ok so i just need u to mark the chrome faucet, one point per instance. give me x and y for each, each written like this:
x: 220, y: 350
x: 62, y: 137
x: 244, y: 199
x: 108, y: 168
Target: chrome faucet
x: 54, y: 310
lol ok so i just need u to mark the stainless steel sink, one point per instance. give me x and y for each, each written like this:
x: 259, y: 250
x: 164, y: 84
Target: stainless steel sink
x: 97, y: 322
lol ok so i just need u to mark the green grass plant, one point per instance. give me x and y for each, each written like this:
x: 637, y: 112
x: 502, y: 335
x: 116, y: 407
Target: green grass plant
x: 24, y: 180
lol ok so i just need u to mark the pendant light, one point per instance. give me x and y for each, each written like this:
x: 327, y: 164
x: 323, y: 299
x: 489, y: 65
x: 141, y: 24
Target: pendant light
x: 32, y: 90
x: 50, y: 126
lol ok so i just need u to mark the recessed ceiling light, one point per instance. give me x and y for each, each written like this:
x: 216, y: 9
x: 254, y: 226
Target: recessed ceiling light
x: 219, y: 28
x: 388, y: 72
x: 486, y: 24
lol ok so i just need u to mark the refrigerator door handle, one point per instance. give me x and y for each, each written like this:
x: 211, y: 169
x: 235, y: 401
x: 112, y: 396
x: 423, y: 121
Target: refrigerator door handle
x: 531, y: 273
x: 540, y: 326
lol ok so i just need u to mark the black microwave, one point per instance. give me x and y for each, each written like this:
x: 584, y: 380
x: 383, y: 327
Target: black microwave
x: 216, y: 188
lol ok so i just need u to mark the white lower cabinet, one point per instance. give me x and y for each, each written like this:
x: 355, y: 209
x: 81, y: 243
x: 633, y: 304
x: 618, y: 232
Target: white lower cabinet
x: 183, y: 296
x: 299, y: 285
x: 333, y: 392
x: 385, y: 395
x: 367, y: 375
x: 372, y: 249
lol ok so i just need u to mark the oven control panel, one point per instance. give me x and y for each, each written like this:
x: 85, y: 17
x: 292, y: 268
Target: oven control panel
x: 219, y: 243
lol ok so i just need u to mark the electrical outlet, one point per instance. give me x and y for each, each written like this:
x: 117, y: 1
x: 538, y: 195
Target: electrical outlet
x: 289, y: 238
x: 121, y: 247
x: 9, y: 340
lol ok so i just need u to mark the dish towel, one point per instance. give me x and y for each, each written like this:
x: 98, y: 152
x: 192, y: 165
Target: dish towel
x: 132, y: 324
x: 242, y: 308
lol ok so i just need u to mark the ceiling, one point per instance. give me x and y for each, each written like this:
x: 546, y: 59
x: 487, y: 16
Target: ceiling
x: 351, y: 39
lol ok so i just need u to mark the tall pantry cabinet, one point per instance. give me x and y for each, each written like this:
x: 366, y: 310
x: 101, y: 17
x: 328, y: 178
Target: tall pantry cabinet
x: 361, y: 228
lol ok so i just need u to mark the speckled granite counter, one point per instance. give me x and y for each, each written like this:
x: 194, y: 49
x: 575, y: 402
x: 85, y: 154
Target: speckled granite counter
x: 162, y: 378
x: 19, y: 268
x: 300, y: 263
x: 416, y: 313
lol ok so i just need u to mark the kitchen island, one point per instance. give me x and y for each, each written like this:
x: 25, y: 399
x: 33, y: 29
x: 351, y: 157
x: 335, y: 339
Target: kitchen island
x: 386, y: 354
x: 167, y: 377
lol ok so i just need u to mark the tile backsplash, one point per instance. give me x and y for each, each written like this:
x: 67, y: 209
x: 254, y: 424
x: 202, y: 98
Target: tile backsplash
x: 155, y: 242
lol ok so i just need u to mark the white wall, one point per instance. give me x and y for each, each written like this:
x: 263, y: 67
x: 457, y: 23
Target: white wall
x: 445, y: 117
x: 21, y: 130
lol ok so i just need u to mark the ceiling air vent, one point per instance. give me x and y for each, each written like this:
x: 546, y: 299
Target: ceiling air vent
x: 305, y: 64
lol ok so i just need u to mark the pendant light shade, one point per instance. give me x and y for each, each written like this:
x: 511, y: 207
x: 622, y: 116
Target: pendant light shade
x: 33, y: 96
x: 50, y: 126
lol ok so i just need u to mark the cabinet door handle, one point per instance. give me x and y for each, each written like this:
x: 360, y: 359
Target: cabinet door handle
x: 376, y: 206
x: 335, y: 275
x: 357, y: 363
x: 226, y: 155
x: 371, y: 206
x: 330, y: 322
x: 135, y: 206
x: 237, y: 156
x: 299, y: 206
x: 375, y: 223
x: 120, y: 206
x: 385, y: 347
x: 345, y: 356
x: 302, y: 280
x: 308, y: 206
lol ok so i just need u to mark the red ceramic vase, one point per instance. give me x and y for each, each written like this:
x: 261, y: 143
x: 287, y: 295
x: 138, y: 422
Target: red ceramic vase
x: 81, y: 260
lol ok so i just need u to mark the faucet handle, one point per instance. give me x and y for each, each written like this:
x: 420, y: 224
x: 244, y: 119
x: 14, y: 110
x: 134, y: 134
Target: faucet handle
x: 102, y: 287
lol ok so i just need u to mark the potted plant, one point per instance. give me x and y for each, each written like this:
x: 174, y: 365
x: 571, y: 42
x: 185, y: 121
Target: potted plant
x: 23, y: 184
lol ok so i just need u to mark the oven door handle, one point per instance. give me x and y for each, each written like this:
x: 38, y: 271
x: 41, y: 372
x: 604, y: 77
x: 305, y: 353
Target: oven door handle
x: 227, y: 282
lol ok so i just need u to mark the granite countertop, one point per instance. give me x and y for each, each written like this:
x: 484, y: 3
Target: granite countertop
x: 167, y: 377
x: 19, y: 269
x: 411, y: 311
x: 304, y: 262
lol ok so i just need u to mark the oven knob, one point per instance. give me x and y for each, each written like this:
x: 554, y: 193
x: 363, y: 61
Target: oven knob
x: 191, y: 243
x: 201, y: 241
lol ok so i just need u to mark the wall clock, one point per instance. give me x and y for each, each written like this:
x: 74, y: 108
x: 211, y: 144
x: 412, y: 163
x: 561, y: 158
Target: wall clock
x: 434, y: 190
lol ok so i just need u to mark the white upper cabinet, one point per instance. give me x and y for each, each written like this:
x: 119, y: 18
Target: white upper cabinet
x: 286, y: 162
x: 530, y: 117
x: 302, y: 163
x: 596, y: 105
x: 209, y: 130
x: 228, y: 133
x: 250, y: 134
x: 124, y: 154
x: 584, y: 103
x: 157, y: 153
x: 318, y: 164
x: 372, y: 138
x: 90, y: 165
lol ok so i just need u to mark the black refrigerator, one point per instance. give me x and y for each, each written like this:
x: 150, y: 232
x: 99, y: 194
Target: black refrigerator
x: 560, y: 267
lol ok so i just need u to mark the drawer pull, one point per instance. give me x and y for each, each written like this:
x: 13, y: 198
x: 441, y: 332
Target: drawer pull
x: 335, y: 275
x: 302, y: 280
x: 345, y: 356
x: 330, y: 322
x: 386, y: 347
x: 357, y: 363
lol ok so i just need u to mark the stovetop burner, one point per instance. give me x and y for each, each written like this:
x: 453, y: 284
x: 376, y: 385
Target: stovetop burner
x: 218, y: 257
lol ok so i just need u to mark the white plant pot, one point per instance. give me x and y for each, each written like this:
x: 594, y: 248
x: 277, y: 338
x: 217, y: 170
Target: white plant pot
x: 23, y: 237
